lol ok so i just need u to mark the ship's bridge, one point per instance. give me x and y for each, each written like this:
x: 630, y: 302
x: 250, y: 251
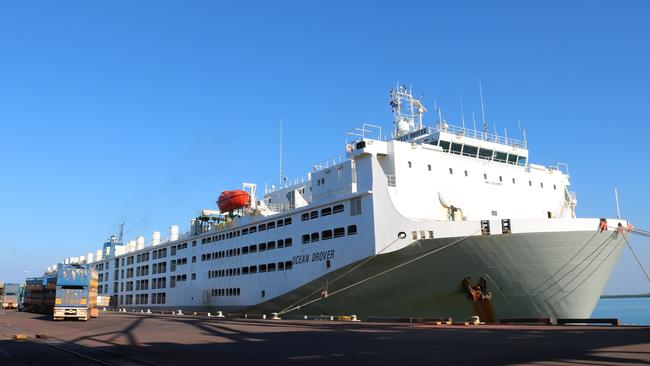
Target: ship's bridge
x: 472, y: 143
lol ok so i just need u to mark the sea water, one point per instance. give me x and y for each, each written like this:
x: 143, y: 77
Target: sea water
x: 629, y: 310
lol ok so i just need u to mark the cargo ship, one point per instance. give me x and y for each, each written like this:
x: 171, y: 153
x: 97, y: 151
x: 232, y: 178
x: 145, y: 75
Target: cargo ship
x: 430, y: 220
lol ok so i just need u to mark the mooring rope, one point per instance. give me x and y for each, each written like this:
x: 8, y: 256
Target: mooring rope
x: 600, y: 248
x: 563, y: 267
x: 637, y: 259
x: 588, y: 276
x: 341, y: 276
x: 432, y: 251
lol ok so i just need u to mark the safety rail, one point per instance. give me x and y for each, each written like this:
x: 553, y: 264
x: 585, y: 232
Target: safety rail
x: 480, y: 135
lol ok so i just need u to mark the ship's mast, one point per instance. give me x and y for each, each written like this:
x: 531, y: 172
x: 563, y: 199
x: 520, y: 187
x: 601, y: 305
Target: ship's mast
x: 407, y: 111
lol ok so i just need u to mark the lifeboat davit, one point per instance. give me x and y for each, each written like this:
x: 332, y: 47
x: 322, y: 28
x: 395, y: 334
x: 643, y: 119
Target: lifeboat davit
x: 231, y: 200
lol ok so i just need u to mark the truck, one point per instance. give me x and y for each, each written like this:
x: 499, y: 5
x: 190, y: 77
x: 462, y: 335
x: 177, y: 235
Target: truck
x: 70, y: 291
x: 10, y: 295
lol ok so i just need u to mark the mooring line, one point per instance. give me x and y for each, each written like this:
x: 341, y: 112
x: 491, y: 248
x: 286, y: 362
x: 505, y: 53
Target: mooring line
x: 384, y: 272
x: 563, y: 267
x: 587, y: 277
x: 600, y: 247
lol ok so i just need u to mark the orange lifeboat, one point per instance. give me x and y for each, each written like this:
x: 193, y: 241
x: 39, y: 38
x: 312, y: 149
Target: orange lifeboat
x: 231, y: 200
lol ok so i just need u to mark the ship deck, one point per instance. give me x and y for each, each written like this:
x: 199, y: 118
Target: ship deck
x: 136, y: 339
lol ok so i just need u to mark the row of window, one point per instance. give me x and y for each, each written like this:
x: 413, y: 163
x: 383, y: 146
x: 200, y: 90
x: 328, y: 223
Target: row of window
x: 179, y: 247
x: 414, y: 234
x: 142, y: 257
x: 328, y: 234
x: 248, y: 230
x: 481, y: 153
x: 281, y: 243
x: 268, y: 267
x: 179, y: 278
x: 514, y: 181
x: 158, y: 298
x: 225, y: 291
x: 160, y: 253
x: 323, y: 212
x: 160, y: 282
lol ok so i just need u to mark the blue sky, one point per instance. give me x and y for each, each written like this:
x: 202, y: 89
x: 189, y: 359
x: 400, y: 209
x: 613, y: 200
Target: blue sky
x: 144, y: 111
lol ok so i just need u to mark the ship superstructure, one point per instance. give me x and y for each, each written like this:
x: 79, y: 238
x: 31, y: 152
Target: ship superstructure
x: 433, y: 221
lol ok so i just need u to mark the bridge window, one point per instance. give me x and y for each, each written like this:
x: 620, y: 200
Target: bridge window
x: 270, y: 225
x: 326, y: 211
x: 469, y: 150
x: 314, y: 237
x: 280, y: 243
x: 445, y: 145
x: 521, y: 161
x: 500, y: 156
x: 287, y: 221
x: 314, y: 214
x: 305, y: 216
x: 485, y: 154
x: 305, y: 239
x: 326, y: 234
x: 288, y: 242
x: 338, y: 209
x: 456, y: 148
x: 512, y: 159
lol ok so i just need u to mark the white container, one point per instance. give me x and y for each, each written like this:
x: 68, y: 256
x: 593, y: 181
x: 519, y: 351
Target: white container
x: 155, y: 238
x: 173, y: 232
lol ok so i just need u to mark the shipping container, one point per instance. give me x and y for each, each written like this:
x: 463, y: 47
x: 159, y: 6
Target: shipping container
x: 68, y: 292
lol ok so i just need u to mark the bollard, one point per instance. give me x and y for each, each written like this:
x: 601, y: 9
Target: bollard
x: 474, y: 320
x: 220, y: 314
x: 263, y: 316
x: 209, y: 315
x: 274, y: 316
x: 353, y: 318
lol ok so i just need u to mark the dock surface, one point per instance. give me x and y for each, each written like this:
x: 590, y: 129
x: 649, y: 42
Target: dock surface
x: 150, y: 339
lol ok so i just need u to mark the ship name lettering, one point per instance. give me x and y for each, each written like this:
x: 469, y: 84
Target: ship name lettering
x: 321, y: 256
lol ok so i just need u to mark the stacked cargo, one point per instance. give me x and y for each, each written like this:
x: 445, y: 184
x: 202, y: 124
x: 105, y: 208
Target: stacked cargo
x: 68, y: 292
